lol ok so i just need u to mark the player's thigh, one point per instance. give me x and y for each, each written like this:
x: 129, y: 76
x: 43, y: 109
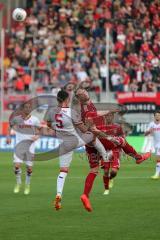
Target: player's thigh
x: 18, y: 159
x: 85, y: 138
x: 29, y: 158
x: 93, y: 158
x: 107, y: 166
x: 65, y: 160
x: 68, y: 144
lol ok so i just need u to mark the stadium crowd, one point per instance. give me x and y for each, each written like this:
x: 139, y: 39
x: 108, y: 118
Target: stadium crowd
x: 65, y: 41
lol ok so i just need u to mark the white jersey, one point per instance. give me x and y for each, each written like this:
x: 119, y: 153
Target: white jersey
x: 156, y: 133
x: 24, y: 129
x: 64, y: 120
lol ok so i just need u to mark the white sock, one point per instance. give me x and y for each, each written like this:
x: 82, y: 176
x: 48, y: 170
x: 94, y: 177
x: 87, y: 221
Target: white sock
x: 18, y: 175
x: 100, y: 148
x: 60, y: 182
x: 28, y: 179
x: 158, y: 169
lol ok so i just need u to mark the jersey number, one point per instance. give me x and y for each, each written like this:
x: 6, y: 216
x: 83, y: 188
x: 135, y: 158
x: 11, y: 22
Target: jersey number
x: 59, y: 122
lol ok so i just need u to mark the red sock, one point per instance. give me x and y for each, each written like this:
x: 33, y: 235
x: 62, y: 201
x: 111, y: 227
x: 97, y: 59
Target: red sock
x: 129, y: 150
x: 89, y: 183
x: 106, y: 182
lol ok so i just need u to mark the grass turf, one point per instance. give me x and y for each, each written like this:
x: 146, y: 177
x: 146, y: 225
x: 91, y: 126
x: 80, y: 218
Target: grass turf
x: 130, y: 212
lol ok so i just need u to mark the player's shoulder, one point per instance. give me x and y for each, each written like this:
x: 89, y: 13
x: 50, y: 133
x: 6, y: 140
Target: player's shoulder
x: 152, y: 123
x: 116, y: 125
x: 17, y: 119
x: 34, y: 118
x: 91, y: 104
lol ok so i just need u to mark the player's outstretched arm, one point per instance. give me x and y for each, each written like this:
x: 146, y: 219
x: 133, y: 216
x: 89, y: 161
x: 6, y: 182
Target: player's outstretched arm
x: 105, y: 113
x: 100, y: 134
x: 82, y: 127
x: 46, y: 130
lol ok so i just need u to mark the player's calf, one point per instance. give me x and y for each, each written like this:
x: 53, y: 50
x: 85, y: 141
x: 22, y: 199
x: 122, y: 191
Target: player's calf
x: 28, y: 179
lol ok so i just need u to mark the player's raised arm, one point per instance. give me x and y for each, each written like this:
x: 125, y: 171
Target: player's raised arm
x: 46, y: 130
x: 107, y: 112
x: 77, y: 121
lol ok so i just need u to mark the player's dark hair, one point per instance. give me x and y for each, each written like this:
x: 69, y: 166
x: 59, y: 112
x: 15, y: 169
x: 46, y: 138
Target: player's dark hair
x: 62, y: 96
x: 157, y: 111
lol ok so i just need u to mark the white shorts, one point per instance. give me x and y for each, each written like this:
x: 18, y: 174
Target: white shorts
x: 27, y: 162
x: 22, y: 154
x: 75, y: 141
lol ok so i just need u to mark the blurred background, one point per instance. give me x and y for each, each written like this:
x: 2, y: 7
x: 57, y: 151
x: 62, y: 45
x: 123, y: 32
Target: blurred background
x: 113, y: 46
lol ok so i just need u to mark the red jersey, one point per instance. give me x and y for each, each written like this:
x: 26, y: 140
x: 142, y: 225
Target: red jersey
x: 112, y: 129
x: 90, y: 112
x: 85, y: 109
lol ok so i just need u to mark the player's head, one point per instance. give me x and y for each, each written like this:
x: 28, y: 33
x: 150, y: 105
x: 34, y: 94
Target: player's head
x: 63, y: 98
x: 82, y: 95
x: 109, y: 118
x: 26, y: 109
x: 69, y: 87
x: 157, y: 115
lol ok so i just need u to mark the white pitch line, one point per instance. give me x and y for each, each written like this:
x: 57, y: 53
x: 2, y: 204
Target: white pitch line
x: 85, y: 176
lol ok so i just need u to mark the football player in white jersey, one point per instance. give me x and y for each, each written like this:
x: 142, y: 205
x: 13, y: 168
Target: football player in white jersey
x: 71, y: 130
x: 154, y: 130
x: 24, y: 128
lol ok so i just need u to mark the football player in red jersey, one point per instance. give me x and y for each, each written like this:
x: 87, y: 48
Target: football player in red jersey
x: 111, y: 168
x: 112, y: 129
x: 87, y: 107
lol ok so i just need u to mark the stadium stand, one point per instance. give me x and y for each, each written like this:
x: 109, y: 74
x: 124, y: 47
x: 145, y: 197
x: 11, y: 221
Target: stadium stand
x: 64, y: 41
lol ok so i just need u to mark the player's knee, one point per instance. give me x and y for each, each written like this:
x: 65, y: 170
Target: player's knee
x: 17, y: 170
x: 29, y: 171
x: 64, y: 169
x: 113, y: 173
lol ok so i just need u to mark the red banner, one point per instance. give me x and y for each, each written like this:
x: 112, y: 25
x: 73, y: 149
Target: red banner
x: 139, y: 101
x: 13, y: 101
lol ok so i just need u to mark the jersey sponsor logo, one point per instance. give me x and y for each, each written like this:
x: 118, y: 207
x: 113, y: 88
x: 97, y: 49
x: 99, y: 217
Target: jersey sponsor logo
x: 41, y: 145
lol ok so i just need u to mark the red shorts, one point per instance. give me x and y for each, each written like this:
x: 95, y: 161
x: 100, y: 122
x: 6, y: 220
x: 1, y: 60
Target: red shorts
x: 95, y: 159
x: 115, y: 160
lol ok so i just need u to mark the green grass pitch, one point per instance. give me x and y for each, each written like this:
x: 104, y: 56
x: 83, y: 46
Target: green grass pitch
x: 130, y: 212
